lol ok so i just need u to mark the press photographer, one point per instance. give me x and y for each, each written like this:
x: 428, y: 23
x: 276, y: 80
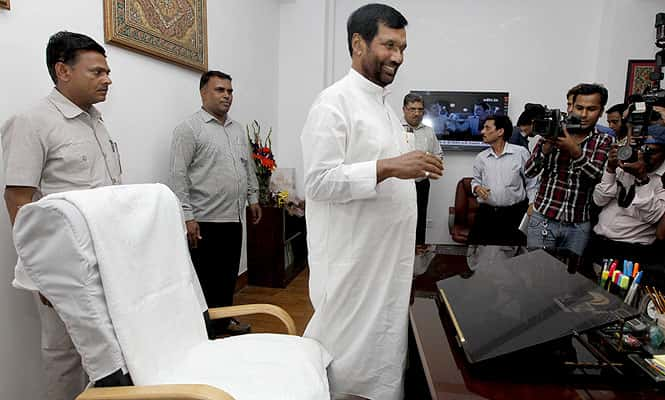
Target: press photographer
x: 633, y: 201
x: 570, y: 162
x: 642, y: 112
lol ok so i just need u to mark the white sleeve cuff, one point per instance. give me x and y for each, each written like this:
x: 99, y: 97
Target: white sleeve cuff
x: 362, y: 176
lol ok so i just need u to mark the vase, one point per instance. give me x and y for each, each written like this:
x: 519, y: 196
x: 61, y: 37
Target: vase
x: 264, y: 189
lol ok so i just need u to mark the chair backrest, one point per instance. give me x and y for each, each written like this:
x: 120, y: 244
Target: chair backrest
x: 465, y: 210
x: 54, y: 246
x: 149, y: 285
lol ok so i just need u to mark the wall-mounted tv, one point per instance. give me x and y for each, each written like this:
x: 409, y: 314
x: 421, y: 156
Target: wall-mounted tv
x: 458, y: 117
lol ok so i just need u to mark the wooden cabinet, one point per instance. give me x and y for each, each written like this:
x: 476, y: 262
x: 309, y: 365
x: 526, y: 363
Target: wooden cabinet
x: 276, y: 248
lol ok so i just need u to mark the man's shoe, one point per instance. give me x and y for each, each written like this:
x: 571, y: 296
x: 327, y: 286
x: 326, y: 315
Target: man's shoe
x: 236, y: 327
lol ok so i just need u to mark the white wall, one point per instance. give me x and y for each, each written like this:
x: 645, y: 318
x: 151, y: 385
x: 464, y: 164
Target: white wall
x: 302, y: 58
x: 147, y: 99
x: 535, y: 50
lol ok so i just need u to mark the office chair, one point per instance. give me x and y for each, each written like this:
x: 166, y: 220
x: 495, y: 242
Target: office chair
x: 115, y: 265
x: 462, y: 216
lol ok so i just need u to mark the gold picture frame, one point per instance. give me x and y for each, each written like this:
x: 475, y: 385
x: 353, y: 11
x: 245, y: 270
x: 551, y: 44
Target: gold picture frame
x: 4, y: 4
x: 174, y: 30
x: 638, y: 77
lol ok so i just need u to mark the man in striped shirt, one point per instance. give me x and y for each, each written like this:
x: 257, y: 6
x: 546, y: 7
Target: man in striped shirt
x: 570, y: 166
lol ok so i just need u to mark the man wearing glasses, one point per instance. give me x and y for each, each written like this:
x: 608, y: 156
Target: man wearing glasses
x: 423, y: 139
x: 633, y: 200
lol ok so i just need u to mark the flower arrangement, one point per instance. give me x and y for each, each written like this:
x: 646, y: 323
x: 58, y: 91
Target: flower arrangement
x: 263, y: 158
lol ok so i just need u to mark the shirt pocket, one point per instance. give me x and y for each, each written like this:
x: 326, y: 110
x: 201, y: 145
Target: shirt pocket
x: 73, y: 160
x: 242, y: 154
x: 241, y: 150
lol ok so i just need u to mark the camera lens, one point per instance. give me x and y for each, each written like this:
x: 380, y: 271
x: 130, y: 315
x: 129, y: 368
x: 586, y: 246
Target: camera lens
x: 625, y: 153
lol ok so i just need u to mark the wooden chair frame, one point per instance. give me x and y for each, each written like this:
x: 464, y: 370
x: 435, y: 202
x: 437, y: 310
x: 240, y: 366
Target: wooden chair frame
x: 189, y: 392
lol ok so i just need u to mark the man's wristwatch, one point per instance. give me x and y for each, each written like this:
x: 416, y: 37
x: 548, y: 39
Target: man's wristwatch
x: 641, y: 182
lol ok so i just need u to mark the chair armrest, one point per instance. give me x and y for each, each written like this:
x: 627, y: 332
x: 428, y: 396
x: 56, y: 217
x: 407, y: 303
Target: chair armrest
x: 156, y: 392
x: 247, y: 309
x: 451, y: 218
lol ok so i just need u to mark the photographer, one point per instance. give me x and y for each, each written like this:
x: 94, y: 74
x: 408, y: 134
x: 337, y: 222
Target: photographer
x: 617, y: 124
x: 524, y: 128
x: 633, y: 201
x: 571, y: 164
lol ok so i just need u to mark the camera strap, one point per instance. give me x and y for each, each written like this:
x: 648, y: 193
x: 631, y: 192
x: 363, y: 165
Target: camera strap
x: 625, y: 198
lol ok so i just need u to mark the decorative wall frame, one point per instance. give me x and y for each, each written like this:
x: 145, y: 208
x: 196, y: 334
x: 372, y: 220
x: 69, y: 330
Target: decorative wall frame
x: 173, y: 30
x: 637, y: 77
x: 4, y: 4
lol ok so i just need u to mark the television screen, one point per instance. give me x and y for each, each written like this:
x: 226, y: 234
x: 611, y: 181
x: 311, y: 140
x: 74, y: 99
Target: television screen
x: 457, y: 118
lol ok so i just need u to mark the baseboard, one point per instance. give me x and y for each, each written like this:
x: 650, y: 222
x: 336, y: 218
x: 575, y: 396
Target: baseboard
x: 241, y: 282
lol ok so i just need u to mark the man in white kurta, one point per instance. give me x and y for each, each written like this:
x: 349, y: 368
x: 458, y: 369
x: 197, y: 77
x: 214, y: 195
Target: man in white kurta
x: 361, y: 220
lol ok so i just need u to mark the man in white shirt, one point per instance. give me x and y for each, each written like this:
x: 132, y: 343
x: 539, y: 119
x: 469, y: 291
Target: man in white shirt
x: 425, y: 140
x: 361, y: 213
x: 633, y: 200
x: 503, y: 190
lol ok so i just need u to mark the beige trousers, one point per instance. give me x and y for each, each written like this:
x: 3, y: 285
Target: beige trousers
x: 65, y: 378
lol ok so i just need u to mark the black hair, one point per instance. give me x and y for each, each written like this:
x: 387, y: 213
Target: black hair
x: 617, y: 108
x: 502, y: 122
x: 366, y: 19
x: 412, y: 97
x: 65, y: 46
x: 531, y: 112
x: 573, y: 90
x: 207, y: 75
x: 585, y: 89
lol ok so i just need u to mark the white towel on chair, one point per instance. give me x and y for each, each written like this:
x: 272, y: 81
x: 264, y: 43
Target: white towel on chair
x: 137, y: 230
x: 155, y: 304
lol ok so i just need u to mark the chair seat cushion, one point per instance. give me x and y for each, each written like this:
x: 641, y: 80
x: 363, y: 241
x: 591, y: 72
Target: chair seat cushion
x: 256, y: 366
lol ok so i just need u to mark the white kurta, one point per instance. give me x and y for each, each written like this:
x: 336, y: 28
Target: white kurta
x: 361, y: 238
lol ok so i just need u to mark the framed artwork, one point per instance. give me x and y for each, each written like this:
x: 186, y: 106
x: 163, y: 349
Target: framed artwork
x: 173, y: 30
x: 4, y: 4
x: 637, y: 78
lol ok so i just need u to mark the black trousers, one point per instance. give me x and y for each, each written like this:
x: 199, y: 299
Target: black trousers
x: 422, y: 196
x: 217, y: 261
x: 499, y: 225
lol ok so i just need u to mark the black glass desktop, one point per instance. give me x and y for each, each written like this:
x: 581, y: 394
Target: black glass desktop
x: 513, y: 302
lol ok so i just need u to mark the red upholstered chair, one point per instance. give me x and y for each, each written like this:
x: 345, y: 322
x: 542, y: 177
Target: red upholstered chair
x: 463, y: 214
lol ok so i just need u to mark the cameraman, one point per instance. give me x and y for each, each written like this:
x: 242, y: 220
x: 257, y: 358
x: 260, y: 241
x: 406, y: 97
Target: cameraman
x: 571, y: 165
x: 633, y: 201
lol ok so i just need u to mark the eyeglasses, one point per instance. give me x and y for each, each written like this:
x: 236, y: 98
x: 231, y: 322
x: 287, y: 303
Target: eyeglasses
x: 414, y: 110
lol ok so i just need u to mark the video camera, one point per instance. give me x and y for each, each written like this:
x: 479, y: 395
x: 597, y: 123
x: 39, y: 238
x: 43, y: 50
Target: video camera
x: 550, y: 125
x: 640, y: 110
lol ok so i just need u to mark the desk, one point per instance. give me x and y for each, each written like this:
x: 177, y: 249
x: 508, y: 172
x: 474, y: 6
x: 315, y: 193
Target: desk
x: 449, y: 376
